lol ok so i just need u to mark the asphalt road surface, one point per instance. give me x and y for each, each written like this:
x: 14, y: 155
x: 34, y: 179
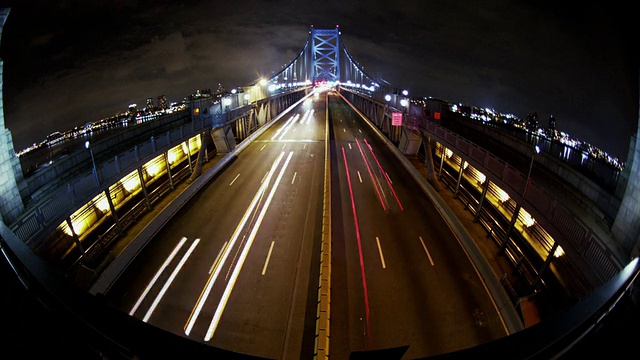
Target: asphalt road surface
x: 237, y: 268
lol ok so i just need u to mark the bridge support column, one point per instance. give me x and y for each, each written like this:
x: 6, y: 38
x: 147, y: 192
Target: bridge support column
x: 512, y: 224
x: 76, y: 239
x: 224, y: 139
x: 455, y: 192
x: 107, y: 193
x: 188, y: 155
x: 544, y: 267
x: 144, y: 189
x: 442, y: 155
x: 409, y: 142
x: 485, y: 187
x: 204, y: 141
x: 168, y: 165
x: 428, y: 157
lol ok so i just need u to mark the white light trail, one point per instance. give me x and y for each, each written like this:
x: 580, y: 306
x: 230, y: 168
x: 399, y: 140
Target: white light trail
x: 284, y: 126
x: 287, y: 127
x: 170, y: 281
x: 305, y: 117
x: 157, y: 275
x: 236, y: 272
x: 212, y: 279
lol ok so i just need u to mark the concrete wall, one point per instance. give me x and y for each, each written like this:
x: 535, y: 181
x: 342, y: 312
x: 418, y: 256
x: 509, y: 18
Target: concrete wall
x: 626, y: 228
x: 11, y: 205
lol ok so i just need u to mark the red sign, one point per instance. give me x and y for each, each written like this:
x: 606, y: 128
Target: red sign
x: 396, y: 119
x: 436, y: 115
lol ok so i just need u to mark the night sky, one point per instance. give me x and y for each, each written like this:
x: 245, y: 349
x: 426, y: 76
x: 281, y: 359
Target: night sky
x: 69, y: 62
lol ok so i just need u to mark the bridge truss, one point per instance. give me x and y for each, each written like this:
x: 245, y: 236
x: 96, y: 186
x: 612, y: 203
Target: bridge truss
x: 323, y: 59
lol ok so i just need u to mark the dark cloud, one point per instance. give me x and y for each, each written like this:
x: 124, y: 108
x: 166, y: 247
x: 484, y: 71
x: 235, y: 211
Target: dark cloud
x: 70, y: 62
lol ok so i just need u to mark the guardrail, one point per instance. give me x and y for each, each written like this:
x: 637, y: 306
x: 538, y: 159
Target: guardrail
x: 590, y: 252
x: 56, y: 204
x: 559, y: 217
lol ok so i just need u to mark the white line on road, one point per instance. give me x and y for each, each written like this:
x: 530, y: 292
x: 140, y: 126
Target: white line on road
x: 384, y: 266
x: 360, y: 131
x: 349, y: 146
x: 264, y: 177
x: 425, y: 250
x: 344, y: 130
x: 294, y: 177
x: 266, y: 263
x: 234, y: 180
x: 245, y: 251
x: 263, y: 146
x: 236, y: 234
x: 359, y: 177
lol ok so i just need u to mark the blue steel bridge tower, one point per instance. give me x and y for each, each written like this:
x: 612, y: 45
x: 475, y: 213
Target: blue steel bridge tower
x: 323, y: 58
x: 325, y: 48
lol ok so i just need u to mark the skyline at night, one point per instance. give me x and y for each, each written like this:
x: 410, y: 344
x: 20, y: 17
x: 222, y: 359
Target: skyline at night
x: 67, y: 63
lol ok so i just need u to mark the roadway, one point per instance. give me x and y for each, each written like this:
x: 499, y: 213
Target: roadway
x: 243, y: 249
x: 237, y: 267
x: 400, y: 276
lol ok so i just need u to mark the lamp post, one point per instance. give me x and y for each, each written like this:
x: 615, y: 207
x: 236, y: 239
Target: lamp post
x: 526, y: 184
x: 93, y: 161
x: 514, y: 217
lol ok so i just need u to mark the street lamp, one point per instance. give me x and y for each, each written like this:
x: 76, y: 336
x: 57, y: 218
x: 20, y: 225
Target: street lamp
x: 536, y: 151
x: 514, y: 217
x: 93, y: 161
x: 227, y: 103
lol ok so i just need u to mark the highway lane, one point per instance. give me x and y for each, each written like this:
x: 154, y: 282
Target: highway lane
x: 400, y: 277
x: 235, y: 268
x: 244, y: 274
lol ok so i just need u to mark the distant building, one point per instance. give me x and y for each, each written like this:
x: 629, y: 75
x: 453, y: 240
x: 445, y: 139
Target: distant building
x: 150, y: 107
x: 532, y: 121
x: 552, y: 127
x: 162, y: 102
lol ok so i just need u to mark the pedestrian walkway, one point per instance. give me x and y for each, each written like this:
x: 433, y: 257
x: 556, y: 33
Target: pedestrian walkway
x: 84, y: 277
x: 500, y: 265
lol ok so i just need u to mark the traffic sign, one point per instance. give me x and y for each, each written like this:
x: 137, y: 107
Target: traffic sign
x: 396, y: 119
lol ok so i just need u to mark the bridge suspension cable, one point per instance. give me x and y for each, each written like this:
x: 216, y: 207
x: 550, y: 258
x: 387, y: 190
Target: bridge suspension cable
x: 323, y: 58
